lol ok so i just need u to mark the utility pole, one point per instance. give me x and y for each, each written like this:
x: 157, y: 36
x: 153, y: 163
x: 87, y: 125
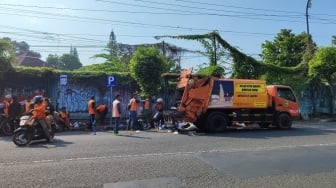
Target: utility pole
x: 215, y: 50
x: 309, y: 4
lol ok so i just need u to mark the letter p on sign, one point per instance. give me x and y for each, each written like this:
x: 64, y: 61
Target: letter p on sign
x: 111, y: 81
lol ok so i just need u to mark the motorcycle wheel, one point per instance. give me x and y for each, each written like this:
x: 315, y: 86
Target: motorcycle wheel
x: 21, y: 138
x: 6, y: 128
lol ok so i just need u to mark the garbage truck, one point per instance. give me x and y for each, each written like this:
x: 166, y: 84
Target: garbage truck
x: 215, y: 104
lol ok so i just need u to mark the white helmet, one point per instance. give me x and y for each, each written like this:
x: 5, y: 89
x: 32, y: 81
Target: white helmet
x: 159, y: 100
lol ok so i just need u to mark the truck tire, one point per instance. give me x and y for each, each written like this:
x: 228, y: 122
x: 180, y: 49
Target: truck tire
x: 284, y: 121
x: 217, y: 122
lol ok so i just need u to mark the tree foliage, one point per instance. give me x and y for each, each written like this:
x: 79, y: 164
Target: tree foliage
x: 244, y: 66
x: 146, y: 67
x: 286, y: 50
x: 7, y: 56
x: 64, y: 62
x: 22, y: 47
x: 212, y: 70
x: 323, y: 66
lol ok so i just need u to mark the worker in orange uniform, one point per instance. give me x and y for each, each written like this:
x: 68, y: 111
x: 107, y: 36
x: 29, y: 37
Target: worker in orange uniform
x: 147, y: 112
x: 39, y: 114
x: 92, y: 113
x: 133, y: 112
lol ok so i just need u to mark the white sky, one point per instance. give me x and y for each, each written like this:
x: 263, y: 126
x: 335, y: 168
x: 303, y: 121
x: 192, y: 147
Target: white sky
x: 52, y: 26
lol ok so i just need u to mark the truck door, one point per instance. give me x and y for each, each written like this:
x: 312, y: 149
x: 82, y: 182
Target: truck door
x: 286, y: 101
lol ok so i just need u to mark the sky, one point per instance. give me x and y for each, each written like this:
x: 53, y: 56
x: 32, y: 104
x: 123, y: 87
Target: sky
x: 53, y: 26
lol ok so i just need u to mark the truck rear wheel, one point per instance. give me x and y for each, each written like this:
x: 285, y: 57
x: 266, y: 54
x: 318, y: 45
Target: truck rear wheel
x: 284, y: 121
x: 217, y: 122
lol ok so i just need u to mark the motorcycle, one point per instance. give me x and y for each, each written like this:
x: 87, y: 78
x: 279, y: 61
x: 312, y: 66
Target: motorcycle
x: 26, y: 133
x: 5, y: 125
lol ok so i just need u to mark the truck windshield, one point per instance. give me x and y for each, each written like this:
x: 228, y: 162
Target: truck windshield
x: 286, y: 93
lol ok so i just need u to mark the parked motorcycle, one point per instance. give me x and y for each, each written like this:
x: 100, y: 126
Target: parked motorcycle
x: 5, y: 125
x: 26, y: 133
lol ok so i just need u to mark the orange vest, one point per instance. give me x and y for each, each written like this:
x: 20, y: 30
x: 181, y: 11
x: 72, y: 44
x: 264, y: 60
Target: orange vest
x: 134, y: 105
x: 39, y: 111
x: 115, y: 111
x: 91, y: 107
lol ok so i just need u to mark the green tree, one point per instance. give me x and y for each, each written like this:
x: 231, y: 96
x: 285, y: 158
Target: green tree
x: 214, y: 49
x: 53, y: 61
x: 286, y: 50
x: 323, y: 66
x: 113, y: 46
x: 22, y: 47
x: 69, y: 62
x: 7, y: 56
x: 146, y: 67
x: 242, y: 65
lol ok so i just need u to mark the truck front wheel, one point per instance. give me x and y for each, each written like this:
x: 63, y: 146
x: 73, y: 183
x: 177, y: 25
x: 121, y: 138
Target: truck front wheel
x: 217, y: 122
x: 284, y: 121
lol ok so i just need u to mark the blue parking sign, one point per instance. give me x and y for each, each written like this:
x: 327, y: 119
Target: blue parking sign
x: 63, y: 79
x: 111, y: 81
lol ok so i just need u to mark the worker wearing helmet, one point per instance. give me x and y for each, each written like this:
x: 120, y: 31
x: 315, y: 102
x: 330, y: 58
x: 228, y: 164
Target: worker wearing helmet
x: 39, y: 114
x: 158, y: 116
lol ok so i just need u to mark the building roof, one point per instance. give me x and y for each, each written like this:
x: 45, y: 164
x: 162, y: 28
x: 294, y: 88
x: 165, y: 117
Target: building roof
x: 27, y: 59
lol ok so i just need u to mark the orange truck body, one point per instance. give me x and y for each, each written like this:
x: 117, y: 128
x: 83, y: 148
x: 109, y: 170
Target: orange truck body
x: 215, y: 104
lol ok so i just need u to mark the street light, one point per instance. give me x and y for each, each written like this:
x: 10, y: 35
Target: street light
x: 309, y: 4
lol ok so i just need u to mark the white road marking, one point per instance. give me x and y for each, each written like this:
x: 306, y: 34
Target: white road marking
x: 165, y: 154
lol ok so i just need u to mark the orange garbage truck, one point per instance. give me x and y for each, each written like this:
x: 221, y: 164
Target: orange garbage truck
x: 214, y: 104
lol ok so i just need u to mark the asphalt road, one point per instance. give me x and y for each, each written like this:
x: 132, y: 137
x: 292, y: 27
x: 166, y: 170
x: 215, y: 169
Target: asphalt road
x: 300, y: 157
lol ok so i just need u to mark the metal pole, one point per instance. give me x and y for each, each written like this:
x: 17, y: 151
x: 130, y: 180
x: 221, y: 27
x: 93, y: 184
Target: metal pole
x: 111, y: 102
x: 308, y: 6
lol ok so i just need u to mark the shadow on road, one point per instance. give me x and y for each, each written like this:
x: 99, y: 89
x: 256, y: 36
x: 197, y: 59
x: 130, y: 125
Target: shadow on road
x: 259, y: 133
x: 44, y: 144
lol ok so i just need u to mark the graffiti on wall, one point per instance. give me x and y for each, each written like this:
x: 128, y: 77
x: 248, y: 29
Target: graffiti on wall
x: 76, y: 99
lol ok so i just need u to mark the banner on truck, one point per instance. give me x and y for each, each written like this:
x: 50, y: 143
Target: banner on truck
x: 238, y: 94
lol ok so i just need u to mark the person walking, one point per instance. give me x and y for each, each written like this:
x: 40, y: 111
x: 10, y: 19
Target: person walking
x: 146, y: 112
x: 92, y: 113
x: 116, y: 113
x: 133, y: 111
